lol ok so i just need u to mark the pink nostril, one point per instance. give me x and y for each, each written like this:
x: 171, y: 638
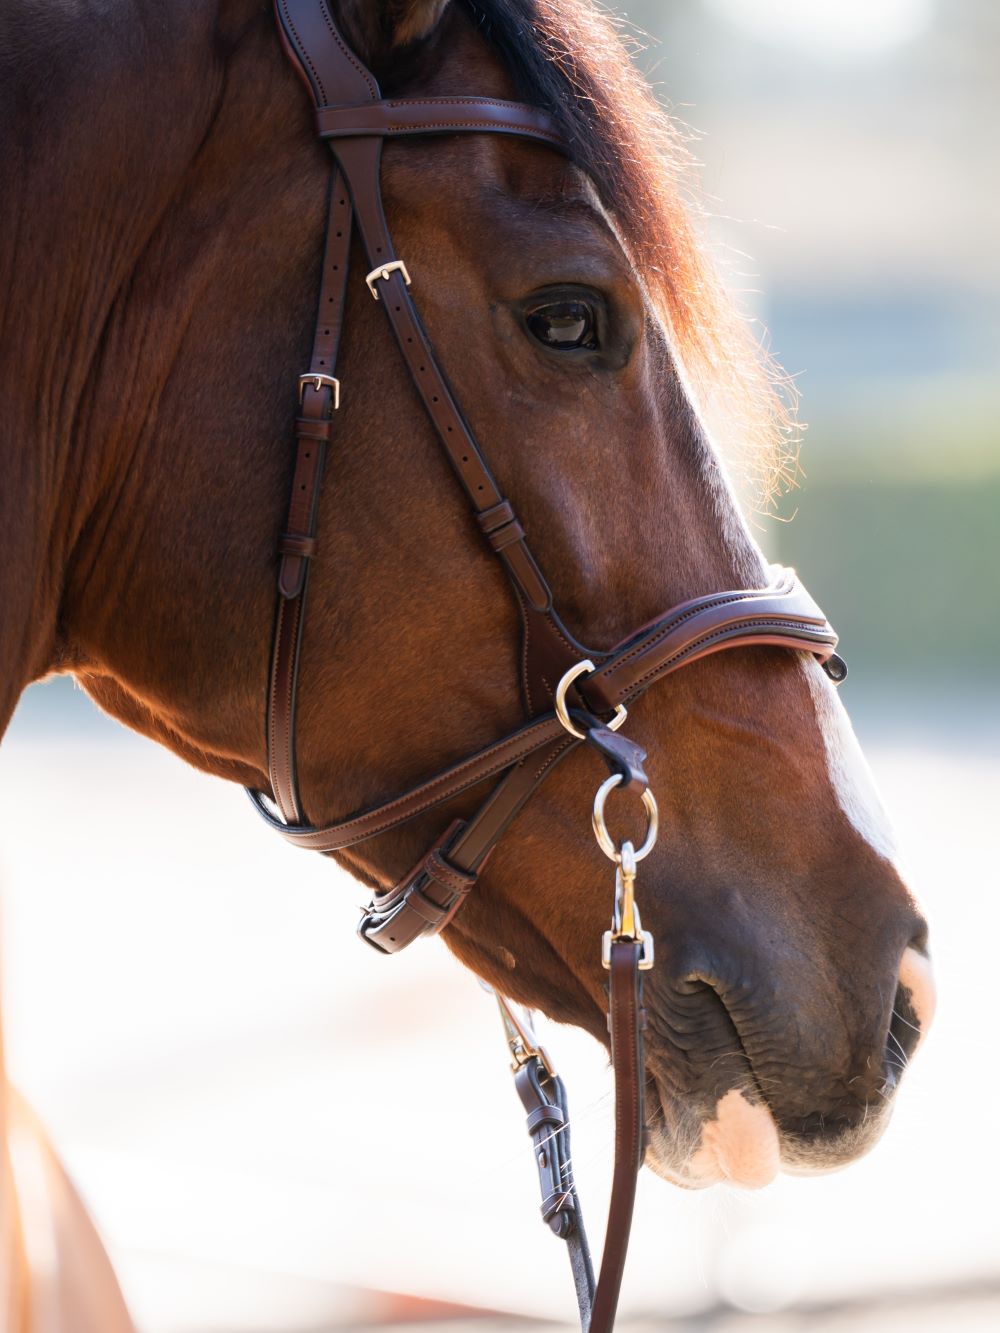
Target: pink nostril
x: 916, y: 979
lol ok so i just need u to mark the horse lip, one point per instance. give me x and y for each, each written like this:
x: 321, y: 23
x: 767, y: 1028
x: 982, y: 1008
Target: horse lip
x: 737, y: 1143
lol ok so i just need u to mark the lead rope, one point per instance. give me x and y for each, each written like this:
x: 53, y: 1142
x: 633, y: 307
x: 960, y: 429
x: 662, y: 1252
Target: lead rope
x: 626, y: 952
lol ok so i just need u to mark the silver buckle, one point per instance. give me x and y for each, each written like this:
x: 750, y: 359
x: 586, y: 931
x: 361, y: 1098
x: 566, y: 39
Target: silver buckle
x: 381, y: 274
x: 318, y: 381
x: 646, y: 958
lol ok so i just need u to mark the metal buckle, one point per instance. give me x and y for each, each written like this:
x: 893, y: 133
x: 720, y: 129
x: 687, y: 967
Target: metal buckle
x: 646, y: 958
x: 318, y: 381
x: 381, y: 274
x: 562, y: 712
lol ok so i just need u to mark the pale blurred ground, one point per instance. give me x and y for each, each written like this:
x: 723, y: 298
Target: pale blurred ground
x: 219, y: 1060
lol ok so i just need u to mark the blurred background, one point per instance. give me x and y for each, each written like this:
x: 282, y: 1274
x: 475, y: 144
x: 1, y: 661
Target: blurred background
x: 186, y: 1005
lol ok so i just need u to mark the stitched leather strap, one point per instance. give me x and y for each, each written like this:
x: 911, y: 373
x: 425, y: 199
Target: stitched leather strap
x: 627, y: 1022
x: 783, y: 614
x: 296, y: 546
x: 437, y: 115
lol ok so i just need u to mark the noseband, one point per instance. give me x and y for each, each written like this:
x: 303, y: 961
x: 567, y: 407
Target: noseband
x: 572, y: 695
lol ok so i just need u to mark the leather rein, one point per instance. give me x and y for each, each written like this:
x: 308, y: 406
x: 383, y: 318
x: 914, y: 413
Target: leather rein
x: 572, y: 695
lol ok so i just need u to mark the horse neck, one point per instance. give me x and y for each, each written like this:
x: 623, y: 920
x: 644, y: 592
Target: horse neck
x: 102, y: 126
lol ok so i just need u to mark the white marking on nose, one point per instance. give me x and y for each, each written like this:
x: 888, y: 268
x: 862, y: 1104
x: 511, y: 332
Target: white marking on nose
x: 740, y: 1145
x: 850, y: 776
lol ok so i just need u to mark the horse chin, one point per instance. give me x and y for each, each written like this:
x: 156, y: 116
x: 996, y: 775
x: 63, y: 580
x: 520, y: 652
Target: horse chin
x: 740, y: 1144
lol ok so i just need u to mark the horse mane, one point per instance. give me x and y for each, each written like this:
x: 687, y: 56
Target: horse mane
x: 568, y: 56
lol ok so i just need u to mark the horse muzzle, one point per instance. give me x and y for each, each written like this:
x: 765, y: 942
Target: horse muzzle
x: 746, y: 1086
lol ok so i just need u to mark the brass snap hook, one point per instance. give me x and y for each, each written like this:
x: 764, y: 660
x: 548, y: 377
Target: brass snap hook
x: 626, y: 924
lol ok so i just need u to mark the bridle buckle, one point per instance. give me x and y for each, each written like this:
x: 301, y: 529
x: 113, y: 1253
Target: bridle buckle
x: 318, y: 381
x: 381, y: 274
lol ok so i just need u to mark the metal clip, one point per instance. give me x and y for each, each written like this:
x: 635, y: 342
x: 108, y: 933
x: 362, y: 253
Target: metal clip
x: 522, y: 1040
x: 626, y: 924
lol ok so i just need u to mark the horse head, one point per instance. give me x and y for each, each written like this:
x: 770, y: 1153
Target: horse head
x: 581, y: 330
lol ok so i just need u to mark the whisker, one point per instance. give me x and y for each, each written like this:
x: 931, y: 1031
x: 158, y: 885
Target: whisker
x: 914, y: 1027
x: 895, y: 1040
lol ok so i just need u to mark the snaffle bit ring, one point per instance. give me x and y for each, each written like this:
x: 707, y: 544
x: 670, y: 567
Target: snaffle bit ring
x: 562, y: 712
x: 604, y: 839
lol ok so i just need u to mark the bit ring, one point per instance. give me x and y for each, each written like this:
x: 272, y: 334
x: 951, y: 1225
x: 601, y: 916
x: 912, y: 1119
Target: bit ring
x: 604, y: 839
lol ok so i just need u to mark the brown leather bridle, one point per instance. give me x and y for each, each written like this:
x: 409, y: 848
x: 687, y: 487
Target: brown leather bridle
x: 567, y: 689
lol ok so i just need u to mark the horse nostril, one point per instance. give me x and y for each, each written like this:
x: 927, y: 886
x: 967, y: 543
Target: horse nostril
x: 916, y: 996
x: 903, y: 1036
x: 919, y: 940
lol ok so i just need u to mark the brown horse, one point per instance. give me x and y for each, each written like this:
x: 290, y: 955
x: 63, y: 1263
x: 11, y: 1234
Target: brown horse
x: 163, y: 215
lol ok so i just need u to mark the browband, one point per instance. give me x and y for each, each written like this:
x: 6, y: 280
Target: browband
x: 437, y: 115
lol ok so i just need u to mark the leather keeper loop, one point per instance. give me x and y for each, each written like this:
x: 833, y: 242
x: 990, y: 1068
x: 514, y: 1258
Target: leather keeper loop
x: 308, y: 429
x: 453, y: 879
x: 433, y: 913
x: 545, y: 1115
x: 295, y: 544
x: 561, y: 1201
x: 506, y: 536
x: 496, y: 516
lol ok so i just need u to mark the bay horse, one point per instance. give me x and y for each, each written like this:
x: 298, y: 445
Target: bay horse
x: 164, y: 203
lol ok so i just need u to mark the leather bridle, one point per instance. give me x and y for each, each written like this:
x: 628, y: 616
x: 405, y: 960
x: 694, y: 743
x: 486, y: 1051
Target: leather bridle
x: 571, y: 694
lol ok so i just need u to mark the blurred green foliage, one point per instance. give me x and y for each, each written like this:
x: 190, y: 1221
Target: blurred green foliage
x: 851, y: 199
x: 908, y: 570
x: 896, y: 529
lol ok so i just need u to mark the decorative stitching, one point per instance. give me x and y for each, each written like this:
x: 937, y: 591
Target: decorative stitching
x: 795, y: 630
x: 303, y: 52
x: 351, y: 57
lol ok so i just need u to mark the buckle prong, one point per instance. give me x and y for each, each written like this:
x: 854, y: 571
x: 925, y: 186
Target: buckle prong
x: 381, y: 274
x: 316, y: 380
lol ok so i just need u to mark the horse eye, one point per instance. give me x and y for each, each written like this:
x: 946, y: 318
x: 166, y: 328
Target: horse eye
x: 563, y: 325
